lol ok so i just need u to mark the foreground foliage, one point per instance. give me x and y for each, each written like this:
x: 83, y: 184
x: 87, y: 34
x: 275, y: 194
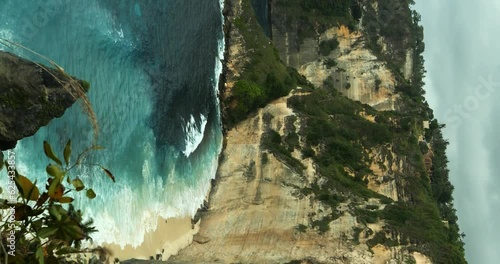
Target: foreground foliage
x: 45, y: 225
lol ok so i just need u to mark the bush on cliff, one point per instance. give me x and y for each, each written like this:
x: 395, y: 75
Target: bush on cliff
x: 263, y: 77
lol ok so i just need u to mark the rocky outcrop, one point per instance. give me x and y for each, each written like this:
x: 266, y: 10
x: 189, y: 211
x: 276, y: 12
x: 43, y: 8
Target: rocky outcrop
x: 30, y: 96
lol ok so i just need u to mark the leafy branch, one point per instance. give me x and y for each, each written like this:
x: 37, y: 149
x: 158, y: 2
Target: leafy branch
x: 47, y: 226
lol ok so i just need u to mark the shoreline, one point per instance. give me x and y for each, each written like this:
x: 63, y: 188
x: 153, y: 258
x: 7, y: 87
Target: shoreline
x: 170, y: 236
x: 175, y: 234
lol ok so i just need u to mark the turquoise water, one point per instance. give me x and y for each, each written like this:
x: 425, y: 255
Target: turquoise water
x: 154, y: 69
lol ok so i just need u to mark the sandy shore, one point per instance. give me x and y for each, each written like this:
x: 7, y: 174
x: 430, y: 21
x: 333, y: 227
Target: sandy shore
x: 171, y: 236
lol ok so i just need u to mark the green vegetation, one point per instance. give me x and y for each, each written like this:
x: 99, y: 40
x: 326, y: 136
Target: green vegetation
x: 46, y: 226
x: 310, y: 16
x: 85, y: 85
x: 332, y: 125
x: 264, y: 76
x: 327, y: 46
x: 400, y: 28
x: 272, y: 141
x: 338, y: 138
x: 419, y: 223
x: 330, y: 63
x: 430, y: 195
x: 381, y: 238
x: 301, y: 228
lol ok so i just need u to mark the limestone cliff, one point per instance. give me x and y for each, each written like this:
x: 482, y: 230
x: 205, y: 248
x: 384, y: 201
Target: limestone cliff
x: 30, y: 96
x: 259, y: 215
x: 357, y: 73
x: 315, y: 177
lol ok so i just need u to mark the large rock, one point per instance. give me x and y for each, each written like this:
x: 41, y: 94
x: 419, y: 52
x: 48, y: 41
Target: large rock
x: 30, y: 96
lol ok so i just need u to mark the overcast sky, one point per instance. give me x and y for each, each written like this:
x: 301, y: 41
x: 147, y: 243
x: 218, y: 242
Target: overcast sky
x: 462, y: 59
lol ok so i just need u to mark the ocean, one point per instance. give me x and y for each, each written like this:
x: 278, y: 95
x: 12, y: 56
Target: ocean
x: 154, y: 68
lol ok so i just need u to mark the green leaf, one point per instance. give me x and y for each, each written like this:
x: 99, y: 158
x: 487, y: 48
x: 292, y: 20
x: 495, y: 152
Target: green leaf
x: 1, y: 190
x: 43, y: 198
x: 66, y: 199
x: 67, y: 152
x: 22, y: 211
x: 52, y: 188
x: 27, y: 189
x: 78, y: 184
x: 90, y: 194
x: 57, y: 211
x: 47, y: 231
x: 40, y: 256
x: 36, y: 225
x: 36, y: 212
x: 55, y: 171
x: 56, y: 190
x: 50, y: 153
x: 74, y: 230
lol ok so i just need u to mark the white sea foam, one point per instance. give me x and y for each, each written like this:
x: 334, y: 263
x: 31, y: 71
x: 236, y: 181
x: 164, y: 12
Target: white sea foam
x: 131, y: 213
x: 6, y: 34
x: 194, y: 134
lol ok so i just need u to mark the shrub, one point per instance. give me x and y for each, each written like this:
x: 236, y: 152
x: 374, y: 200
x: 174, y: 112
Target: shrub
x: 327, y: 46
x: 301, y: 228
x: 330, y: 63
x: 249, y: 94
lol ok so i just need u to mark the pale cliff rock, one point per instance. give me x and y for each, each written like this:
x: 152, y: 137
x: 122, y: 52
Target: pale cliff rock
x: 257, y: 210
x: 356, y: 72
x: 385, y: 166
x: 235, y: 55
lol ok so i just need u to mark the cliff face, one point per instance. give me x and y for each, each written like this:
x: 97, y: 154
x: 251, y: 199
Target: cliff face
x: 30, y: 96
x: 258, y: 213
x: 358, y: 73
x: 314, y: 177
